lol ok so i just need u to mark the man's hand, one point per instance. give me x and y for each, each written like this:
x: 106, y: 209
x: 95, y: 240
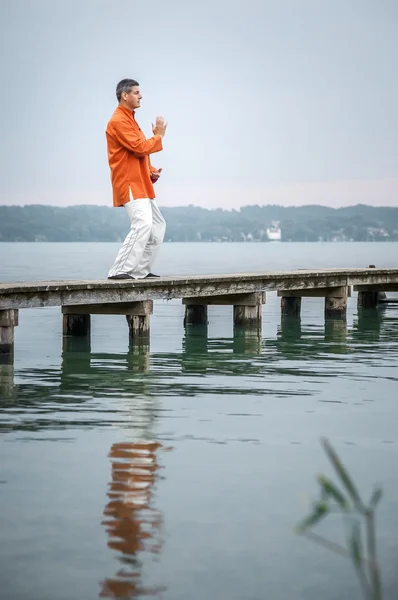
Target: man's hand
x: 160, y: 127
x: 155, y: 175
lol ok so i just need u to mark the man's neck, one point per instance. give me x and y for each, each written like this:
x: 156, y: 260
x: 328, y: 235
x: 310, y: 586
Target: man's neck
x: 123, y: 105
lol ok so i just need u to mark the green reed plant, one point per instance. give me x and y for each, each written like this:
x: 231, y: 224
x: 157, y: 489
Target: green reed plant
x: 358, y: 519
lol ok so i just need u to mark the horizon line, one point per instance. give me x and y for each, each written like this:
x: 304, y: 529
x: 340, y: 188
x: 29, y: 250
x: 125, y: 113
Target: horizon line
x: 284, y: 206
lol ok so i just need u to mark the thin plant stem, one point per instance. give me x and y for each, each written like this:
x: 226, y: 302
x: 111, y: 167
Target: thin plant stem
x: 373, y: 565
x: 367, y: 592
x: 360, y: 570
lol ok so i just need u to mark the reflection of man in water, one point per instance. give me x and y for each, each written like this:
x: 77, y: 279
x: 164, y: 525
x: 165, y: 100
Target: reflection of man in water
x: 131, y: 523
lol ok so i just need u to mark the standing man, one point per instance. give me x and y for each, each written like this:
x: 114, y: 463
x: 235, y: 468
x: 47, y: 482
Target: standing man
x: 132, y: 177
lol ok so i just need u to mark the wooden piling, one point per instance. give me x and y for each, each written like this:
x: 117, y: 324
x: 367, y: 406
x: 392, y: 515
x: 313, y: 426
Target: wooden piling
x: 336, y: 303
x: 248, y: 316
x: 291, y: 306
x: 368, y: 299
x: 336, y: 308
x: 8, y: 320
x: 195, y: 314
x: 139, y: 320
x: 139, y: 326
x: 76, y: 325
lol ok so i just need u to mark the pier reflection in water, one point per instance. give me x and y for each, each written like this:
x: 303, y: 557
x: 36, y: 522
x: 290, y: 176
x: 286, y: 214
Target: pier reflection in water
x: 84, y: 376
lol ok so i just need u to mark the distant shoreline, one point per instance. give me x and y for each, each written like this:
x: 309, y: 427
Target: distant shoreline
x: 251, y: 224
x: 254, y: 242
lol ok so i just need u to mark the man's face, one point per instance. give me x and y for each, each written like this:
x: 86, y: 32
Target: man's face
x: 133, y: 98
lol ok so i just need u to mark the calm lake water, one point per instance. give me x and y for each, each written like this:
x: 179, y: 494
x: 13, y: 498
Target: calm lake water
x: 178, y: 470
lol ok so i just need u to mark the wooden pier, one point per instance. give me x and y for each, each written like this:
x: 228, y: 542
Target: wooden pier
x: 246, y: 292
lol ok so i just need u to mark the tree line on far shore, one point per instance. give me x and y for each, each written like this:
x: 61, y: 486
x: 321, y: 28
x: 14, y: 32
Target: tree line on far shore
x: 39, y: 223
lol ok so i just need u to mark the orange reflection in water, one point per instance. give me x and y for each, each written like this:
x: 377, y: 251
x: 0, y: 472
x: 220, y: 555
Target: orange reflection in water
x: 132, y: 524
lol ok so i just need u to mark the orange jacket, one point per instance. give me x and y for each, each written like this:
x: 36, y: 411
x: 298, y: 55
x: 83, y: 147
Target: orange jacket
x: 128, y: 157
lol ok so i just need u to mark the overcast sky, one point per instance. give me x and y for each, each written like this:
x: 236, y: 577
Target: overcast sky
x: 282, y: 101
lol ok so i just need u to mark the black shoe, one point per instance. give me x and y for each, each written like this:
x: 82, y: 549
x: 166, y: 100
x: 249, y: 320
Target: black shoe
x: 151, y: 275
x: 121, y: 276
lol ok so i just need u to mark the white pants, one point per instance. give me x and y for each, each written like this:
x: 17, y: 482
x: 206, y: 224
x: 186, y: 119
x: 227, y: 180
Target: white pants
x: 139, y: 249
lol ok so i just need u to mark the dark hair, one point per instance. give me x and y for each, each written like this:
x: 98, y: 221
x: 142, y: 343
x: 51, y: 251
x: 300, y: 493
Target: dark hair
x: 125, y: 85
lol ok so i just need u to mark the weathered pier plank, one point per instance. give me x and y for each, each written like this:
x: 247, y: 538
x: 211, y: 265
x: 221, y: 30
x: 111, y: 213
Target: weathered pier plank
x: 246, y: 292
x: 65, y: 293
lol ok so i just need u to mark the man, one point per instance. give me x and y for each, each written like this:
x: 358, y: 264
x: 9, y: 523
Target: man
x: 132, y: 177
